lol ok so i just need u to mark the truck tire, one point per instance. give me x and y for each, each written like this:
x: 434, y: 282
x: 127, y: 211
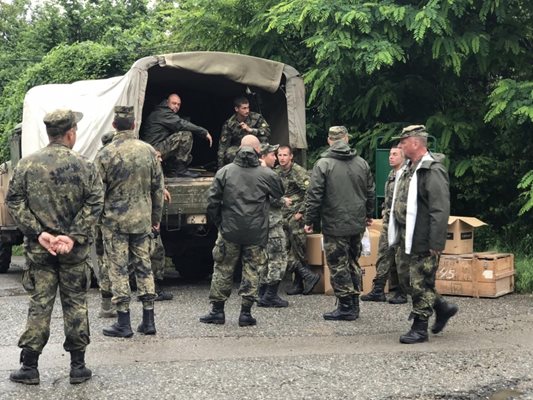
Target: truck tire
x: 5, y: 257
x: 194, y: 264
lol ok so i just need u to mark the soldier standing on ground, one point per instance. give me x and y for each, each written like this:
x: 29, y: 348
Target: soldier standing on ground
x: 385, y: 263
x: 238, y: 206
x: 243, y: 122
x: 295, y: 181
x: 171, y: 135
x: 271, y: 276
x: 133, y: 206
x: 341, y: 195
x: 56, y: 197
x: 418, y: 224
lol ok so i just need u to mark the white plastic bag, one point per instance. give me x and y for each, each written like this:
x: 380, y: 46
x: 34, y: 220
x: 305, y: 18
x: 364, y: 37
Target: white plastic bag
x: 365, y: 244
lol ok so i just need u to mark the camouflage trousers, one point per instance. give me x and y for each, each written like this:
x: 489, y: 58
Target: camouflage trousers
x: 386, y: 261
x: 342, y: 253
x: 297, y: 243
x: 416, y: 275
x: 43, y: 275
x: 157, y: 257
x: 176, y: 147
x: 276, y: 255
x: 229, y: 155
x: 121, y: 250
x: 226, y: 255
x: 103, y: 270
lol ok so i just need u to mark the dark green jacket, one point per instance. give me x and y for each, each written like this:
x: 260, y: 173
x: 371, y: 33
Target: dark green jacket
x: 238, y: 199
x: 163, y: 122
x: 341, y: 193
x: 433, y: 206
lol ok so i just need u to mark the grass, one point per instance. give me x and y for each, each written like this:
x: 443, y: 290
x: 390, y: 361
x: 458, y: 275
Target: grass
x: 523, y: 274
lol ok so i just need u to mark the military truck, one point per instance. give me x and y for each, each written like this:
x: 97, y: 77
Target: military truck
x: 207, y: 83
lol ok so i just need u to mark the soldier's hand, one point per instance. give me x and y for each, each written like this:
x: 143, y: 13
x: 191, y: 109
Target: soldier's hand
x: 63, y: 244
x: 288, y: 201
x: 209, y: 139
x: 308, y: 229
x: 156, y: 227
x: 369, y: 221
x: 263, y: 163
x: 46, y: 240
x: 298, y: 216
x: 245, y: 127
x: 166, y: 195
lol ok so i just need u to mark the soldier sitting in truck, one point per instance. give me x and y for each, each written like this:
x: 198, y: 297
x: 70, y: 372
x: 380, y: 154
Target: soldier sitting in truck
x: 171, y: 135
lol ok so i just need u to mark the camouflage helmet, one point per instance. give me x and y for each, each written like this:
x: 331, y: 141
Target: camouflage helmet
x: 337, y: 133
x: 124, y: 112
x: 413, y: 131
x: 268, y: 148
x: 61, y: 120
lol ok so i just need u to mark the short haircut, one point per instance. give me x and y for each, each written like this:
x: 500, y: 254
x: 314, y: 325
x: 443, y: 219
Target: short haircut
x: 239, y: 101
x: 123, y: 123
x: 285, y: 146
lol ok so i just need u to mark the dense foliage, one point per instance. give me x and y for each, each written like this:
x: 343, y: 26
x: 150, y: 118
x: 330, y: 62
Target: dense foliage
x: 462, y: 67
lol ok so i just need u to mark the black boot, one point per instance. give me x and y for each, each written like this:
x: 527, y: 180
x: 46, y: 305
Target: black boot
x: 418, y: 332
x: 376, y: 294
x: 28, y: 372
x: 297, y: 286
x: 345, y: 310
x: 216, y: 315
x: 246, y: 319
x: 161, y: 295
x: 271, y: 298
x: 355, y: 299
x: 121, y: 328
x: 181, y: 171
x: 78, y: 371
x: 147, y: 326
x: 309, y: 278
x: 262, y: 290
x: 398, y: 298
x: 443, y: 312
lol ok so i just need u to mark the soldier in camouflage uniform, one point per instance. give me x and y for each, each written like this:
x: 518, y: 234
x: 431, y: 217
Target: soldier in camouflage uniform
x: 107, y: 309
x: 420, y: 210
x: 385, y: 264
x: 133, y: 205
x: 295, y: 181
x: 56, y: 198
x: 341, y: 195
x: 238, y: 206
x: 243, y: 122
x: 271, y: 276
x: 171, y: 135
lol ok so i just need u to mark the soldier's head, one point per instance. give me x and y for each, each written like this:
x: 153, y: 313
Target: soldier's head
x: 174, y: 102
x: 396, y: 157
x: 124, y: 118
x: 251, y: 141
x: 413, y: 142
x: 285, y: 156
x: 268, y: 154
x: 61, y: 126
x: 242, y: 107
x: 337, y: 134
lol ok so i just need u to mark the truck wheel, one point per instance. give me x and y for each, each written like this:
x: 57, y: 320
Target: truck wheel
x: 194, y: 265
x: 5, y: 257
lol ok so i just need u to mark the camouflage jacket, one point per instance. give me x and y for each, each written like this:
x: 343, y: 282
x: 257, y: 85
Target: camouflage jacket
x: 232, y: 133
x: 295, y: 181
x: 133, y: 182
x: 58, y: 191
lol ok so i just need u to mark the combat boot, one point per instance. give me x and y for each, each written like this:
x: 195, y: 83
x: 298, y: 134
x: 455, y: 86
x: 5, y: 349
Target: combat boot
x: 147, y: 325
x: 443, y: 312
x: 309, y: 278
x: 28, y: 372
x: 246, y: 319
x: 262, y: 290
x: 271, y: 298
x: 161, y: 295
x: 345, y: 310
x: 78, y: 371
x: 107, y: 309
x: 216, y: 315
x: 398, y: 298
x: 376, y: 294
x: 121, y: 328
x: 297, y: 286
x: 181, y: 171
x: 418, y: 332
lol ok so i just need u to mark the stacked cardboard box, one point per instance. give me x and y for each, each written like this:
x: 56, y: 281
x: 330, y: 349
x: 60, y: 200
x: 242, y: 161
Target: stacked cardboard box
x: 5, y: 175
x: 462, y: 272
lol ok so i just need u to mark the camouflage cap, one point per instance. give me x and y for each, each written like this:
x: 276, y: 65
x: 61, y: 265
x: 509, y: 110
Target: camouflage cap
x: 107, y: 137
x: 62, y: 120
x: 124, y: 111
x: 413, y: 131
x: 268, y: 148
x: 337, y: 132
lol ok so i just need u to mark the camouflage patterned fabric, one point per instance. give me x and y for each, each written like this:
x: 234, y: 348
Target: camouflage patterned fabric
x: 342, y: 253
x: 226, y: 255
x: 58, y: 191
x: 231, y: 135
x: 133, y: 180
x: 276, y: 249
x: 176, y: 147
x: 104, y: 282
x: 157, y: 256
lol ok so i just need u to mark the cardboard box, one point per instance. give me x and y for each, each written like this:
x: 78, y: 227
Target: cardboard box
x: 477, y: 275
x: 368, y: 273
x: 460, y: 236
x: 314, y: 249
x: 5, y: 217
x: 324, y: 284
